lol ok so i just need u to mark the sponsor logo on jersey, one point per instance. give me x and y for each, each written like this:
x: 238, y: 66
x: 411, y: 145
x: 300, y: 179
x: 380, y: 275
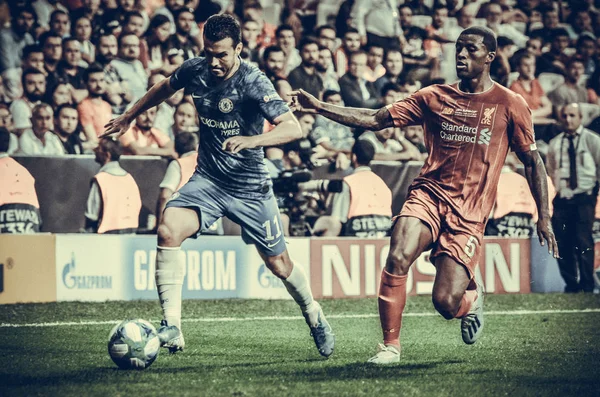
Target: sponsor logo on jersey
x: 485, y: 136
x: 458, y: 133
x: 487, y: 116
x: 468, y: 113
x: 225, y: 105
x: 272, y: 97
x: 448, y: 111
x: 228, y: 128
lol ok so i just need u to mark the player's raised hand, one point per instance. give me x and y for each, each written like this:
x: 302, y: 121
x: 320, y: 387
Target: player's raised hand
x: 237, y: 143
x: 546, y: 235
x: 117, y: 127
x: 302, y: 101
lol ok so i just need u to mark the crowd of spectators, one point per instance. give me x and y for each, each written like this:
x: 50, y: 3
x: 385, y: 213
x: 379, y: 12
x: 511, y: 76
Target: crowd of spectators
x: 68, y: 66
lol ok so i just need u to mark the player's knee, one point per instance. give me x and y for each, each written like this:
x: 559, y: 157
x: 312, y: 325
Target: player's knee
x: 166, y: 237
x: 446, y: 304
x: 398, y: 262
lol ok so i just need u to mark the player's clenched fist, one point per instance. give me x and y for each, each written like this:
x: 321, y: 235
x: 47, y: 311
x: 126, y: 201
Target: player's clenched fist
x: 238, y: 143
x: 303, y: 101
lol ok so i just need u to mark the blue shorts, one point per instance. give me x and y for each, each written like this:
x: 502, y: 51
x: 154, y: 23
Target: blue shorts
x: 260, y: 219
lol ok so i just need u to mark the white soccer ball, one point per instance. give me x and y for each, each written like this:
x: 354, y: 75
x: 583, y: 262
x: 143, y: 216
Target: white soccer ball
x: 133, y: 344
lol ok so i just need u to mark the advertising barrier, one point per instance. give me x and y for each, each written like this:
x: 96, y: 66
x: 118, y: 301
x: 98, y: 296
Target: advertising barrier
x: 260, y: 283
x: 212, y: 265
x: 27, y: 268
x: 344, y: 268
x: 88, y: 267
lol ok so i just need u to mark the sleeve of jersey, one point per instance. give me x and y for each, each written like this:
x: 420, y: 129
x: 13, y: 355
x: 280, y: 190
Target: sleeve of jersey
x: 408, y: 111
x: 269, y: 102
x: 522, y: 137
x: 184, y: 74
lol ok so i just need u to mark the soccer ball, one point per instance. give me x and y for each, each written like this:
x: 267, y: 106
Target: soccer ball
x: 133, y: 344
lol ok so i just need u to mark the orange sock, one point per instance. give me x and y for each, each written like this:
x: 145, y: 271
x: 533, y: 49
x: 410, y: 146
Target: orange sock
x: 392, y: 299
x: 466, y: 302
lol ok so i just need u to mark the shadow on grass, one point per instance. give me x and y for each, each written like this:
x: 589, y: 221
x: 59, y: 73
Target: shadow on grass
x: 291, y: 370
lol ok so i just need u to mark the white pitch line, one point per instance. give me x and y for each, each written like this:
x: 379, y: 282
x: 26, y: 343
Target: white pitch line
x: 288, y: 318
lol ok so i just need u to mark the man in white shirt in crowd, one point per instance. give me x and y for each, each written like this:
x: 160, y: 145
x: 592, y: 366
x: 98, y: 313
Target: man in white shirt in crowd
x: 573, y: 163
x: 40, y: 140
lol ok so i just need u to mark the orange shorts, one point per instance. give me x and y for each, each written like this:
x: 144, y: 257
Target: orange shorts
x: 452, y: 235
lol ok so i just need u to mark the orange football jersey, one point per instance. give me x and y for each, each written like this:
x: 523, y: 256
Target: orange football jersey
x: 467, y: 138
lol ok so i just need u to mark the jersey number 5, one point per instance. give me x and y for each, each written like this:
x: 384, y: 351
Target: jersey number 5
x: 268, y: 230
x: 471, y: 247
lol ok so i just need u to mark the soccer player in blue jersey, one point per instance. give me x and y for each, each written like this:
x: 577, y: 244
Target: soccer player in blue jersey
x: 232, y: 98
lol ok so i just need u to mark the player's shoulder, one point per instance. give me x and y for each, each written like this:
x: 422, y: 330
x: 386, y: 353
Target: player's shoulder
x: 195, y: 63
x: 510, y: 96
x: 250, y: 73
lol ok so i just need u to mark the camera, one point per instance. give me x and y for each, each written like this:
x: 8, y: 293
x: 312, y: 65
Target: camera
x: 301, y: 198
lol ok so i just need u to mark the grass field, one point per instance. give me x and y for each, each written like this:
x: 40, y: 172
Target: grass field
x: 538, y: 345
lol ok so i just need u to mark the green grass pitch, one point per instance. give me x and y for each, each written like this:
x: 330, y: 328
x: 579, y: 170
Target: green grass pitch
x: 520, y: 354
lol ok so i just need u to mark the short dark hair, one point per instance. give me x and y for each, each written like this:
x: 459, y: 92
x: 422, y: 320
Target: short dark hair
x: 57, y: 12
x: 185, y: 142
x: 585, y: 36
x: 269, y: 50
x: 351, y: 30
x: 47, y: 35
x: 488, y: 35
x: 112, y: 147
x: 4, y: 139
x: 27, y: 9
x: 283, y: 28
x: 321, y: 28
x: 93, y: 68
x: 364, y: 151
x: 122, y: 37
x: 557, y: 32
x: 329, y: 93
x: 63, y: 106
x: 573, y: 60
x: 30, y: 49
x: 68, y: 40
x: 357, y: 53
x: 29, y: 71
x: 307, y: 41
x: 391, y: 51
x: 504, y: 41
x: 177, y: 13
x: 131, y: 14
x: 220, y: 27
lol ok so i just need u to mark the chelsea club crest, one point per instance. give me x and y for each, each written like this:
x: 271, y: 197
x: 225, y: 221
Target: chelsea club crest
x: 225, y: 105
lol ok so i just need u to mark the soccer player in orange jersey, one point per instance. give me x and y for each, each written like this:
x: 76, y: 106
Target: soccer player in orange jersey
x: 469, y: 127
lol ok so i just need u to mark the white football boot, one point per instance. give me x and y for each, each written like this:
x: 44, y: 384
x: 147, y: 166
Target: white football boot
x: 321, y: 331
x: 385, y: 355
x: 170, y: 337
x: 471, y: 325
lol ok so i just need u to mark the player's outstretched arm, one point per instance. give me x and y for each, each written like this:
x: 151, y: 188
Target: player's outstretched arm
x: 535, y: 173
x: 155, y: 96
x: 369, y: 119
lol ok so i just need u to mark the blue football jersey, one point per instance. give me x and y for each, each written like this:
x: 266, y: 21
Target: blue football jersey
x: 236, y: 106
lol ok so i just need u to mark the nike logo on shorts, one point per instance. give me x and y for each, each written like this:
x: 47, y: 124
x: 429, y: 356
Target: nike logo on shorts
x: 272, y: 245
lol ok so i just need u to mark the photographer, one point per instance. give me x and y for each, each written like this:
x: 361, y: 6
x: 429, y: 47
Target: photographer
x: 363, y: 207
x: 289, y: 165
